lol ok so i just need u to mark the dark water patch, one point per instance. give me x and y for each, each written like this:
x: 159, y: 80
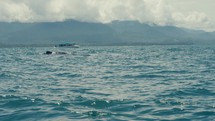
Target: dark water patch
x: 4, y: 76
x: 98, y: 93
x: 108, y: 77
x: 205, y: 113
x: 69, y: 75
x: 81, y: 90
x: 182, y: 119
x: 174, y: 72
x: 142, y: 67
x: 193, y: 92
x: 11, y: 102
x: 144, y: 76
x: 23, y: 116
x: 60, y: 108
x: 175, y: 49
x: 18, y: 103
x: 168, y: 112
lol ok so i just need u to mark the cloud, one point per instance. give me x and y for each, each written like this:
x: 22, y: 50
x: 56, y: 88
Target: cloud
x: 11, y: 11
x: 145, y: 11
x: 196, y: 20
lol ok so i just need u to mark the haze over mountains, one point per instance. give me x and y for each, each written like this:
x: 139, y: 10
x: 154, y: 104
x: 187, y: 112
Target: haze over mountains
x: 84, y: 33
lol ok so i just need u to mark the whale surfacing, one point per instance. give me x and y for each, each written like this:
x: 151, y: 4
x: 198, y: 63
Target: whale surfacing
x: 50, y: 53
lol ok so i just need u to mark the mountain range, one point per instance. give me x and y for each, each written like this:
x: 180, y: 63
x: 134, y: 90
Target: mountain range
x: 85, y: 33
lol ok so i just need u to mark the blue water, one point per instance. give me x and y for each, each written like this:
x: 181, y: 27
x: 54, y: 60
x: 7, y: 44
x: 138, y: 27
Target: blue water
x: 108, y: 83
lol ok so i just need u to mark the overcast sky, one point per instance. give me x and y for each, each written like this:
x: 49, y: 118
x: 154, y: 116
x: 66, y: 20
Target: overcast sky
x: 195, y: 14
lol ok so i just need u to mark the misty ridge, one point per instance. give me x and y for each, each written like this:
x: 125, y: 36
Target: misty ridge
x: 86, y: 33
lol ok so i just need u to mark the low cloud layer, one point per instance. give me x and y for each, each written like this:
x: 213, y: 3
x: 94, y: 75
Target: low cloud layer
x: 147, y: 11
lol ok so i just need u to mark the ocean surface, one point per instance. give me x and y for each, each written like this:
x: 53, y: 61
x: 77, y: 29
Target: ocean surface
x: 116, y: 83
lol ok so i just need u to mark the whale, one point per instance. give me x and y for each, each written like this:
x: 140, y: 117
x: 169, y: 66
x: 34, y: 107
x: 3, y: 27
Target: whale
x: 50, y: 53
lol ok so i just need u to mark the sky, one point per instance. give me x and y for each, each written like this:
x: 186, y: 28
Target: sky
x: 194, y: 14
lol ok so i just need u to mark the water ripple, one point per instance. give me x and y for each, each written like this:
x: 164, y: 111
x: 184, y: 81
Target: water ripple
x: 108, y: 83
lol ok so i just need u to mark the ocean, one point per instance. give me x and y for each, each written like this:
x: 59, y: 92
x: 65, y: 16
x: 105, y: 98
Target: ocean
x: 116, y: 83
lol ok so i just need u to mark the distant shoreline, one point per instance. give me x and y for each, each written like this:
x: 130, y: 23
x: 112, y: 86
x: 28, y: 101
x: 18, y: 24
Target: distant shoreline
x: 116, y: 44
